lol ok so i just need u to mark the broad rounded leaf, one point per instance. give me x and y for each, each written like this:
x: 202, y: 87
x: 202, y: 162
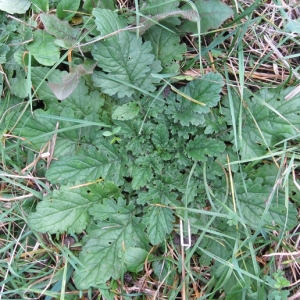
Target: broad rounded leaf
x: 43, y: 48
x: 212, y: 14
x: 14, y: 6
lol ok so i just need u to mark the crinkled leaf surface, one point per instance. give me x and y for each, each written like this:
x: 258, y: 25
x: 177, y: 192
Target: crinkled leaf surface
x: 141, y: 175
x: 202, y: 146
x: 166, y: 47
x: 90, y: 164
x: 111, y: 210
x: 43, y: 48
x: 159, y: 221
x: 206, y: 90
x: 158, y: 191
x: 122, y: 56
x: 126, y: 111
x: 101, y: 256
x: 63, y: 210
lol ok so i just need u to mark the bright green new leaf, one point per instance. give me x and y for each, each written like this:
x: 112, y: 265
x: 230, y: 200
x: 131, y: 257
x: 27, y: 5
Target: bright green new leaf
x: 63, y: 210
x: 43, y: 48
x: 159, y: 222
x: 201, y: 147
x: 126, y: 111
x: 89, y: 165
x: 66, y: 9
x: 212, y: 14
x: 15, y: 6
x: 40, y: 5
x: 102, y: 254
x: 125, y: 58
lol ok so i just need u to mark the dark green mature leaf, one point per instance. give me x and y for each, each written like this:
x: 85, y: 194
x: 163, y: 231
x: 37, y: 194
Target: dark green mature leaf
x: 101, y: 256
x: 158, y: 191
x: 160, y: 136
x: 212, y: 14
x: 3, y: 51
x: 66, y: 9
x: 253, y: 204
x: 43, y: 48
x: 276, y: 118
x: 166, y: 47
x: 155, y: 7
x: 32, y: 129
x: 89, y: 165
x: 63, y: 210
x: 60, y: 29
x: 201, y: 147
x: 122, y: 56
x: 206, y: 90
x: 135, y: 259
x: 112, y: 210
x: 159, y: 221
x: 141, y: 175
x: 89, y: 5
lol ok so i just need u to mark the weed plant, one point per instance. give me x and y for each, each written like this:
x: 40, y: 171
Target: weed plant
x: 149, y: 149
